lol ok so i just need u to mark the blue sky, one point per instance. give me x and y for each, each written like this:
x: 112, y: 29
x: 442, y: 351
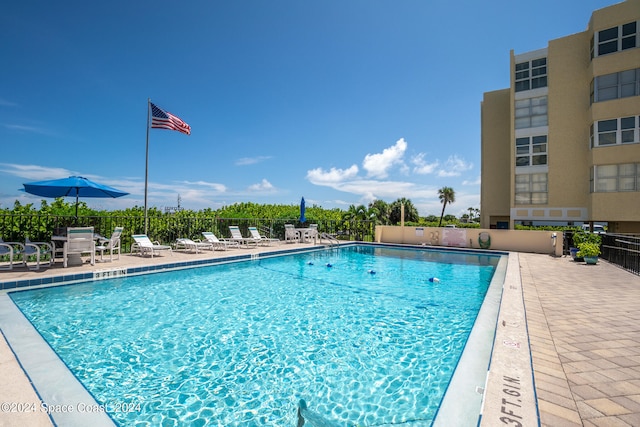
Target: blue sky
x: 341, y: 102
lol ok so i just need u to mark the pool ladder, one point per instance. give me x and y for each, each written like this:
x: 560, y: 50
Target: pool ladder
x: 332, y: 240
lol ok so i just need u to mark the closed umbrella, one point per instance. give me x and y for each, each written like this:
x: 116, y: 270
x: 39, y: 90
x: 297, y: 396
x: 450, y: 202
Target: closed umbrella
x: 302, y: 209
x: 73, y: 186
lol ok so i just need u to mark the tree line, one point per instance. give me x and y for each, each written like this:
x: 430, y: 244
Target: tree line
x: 378, y: 211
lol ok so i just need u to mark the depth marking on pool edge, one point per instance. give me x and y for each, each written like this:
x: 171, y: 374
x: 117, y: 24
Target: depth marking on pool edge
x: 109, y: 273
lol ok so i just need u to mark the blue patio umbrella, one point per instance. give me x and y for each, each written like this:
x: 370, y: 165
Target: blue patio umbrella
x: 302, y: 208
x: 73, y: 186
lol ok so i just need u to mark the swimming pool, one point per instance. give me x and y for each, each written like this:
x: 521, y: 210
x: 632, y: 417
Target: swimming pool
x: 367, y: 341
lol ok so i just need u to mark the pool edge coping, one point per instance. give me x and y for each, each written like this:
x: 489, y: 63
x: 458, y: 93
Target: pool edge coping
x: 469, y: 378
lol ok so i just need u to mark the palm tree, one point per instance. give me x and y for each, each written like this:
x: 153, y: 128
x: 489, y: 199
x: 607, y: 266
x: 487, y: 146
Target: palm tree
x: 357, y: 213
x: 382, y: 210
x: 410, y: 211
x: 360, y: 219
x: 446, y: 195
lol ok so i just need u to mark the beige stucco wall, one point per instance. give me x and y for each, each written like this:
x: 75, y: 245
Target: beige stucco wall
x: 503, y: 240
x: 612, y: 15
x: 621, y: 209
x: 496, y: 157
x: 570, y: 115
x: 569, y: 121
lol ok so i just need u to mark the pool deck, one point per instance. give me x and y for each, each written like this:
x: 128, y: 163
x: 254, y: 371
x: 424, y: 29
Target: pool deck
x: 583, y: 326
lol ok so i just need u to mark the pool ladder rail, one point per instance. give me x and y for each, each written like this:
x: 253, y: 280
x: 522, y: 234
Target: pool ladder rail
x: 332, y: 240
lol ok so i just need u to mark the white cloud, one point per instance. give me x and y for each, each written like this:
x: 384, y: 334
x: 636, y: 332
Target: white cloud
x: 476, y: 181
x: 454, y: 166
x: 422, y: 167
x: 374, y: 189
x: 264, y: 185
x: 29, y: 129
x: 320, y: 177
x: 244, y: 161
x: 378, y: 165
x: 35, y: 172
x: 218, y: 188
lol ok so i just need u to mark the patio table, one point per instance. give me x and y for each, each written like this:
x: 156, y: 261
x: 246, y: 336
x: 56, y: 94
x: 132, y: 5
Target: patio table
x: 74, y: 259
x: 305, y: 233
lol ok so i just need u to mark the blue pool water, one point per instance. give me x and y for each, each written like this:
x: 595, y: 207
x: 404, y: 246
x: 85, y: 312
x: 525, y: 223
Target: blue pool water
x: 368, y: 341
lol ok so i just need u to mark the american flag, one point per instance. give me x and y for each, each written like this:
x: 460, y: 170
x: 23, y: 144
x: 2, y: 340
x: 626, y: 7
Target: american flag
x: 164, y: 120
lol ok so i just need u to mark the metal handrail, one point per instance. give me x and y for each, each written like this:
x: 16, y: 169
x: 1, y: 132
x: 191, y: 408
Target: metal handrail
x: 332, y: 240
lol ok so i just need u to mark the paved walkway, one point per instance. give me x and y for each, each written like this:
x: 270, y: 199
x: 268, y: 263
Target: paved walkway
x: 584, y: 331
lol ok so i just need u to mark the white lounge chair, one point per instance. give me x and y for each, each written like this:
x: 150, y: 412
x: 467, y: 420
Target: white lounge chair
x: 190, y: 245
x: 79, y: 241
x: 221, y: 244
x: 266, y: 241
x: 112, y: 245
x: 146, y: 246
x: 291, y: 234
x: 236, y: 236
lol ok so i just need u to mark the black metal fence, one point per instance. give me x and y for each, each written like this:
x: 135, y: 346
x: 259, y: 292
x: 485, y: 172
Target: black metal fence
x: 622, y: 250
x: 167, y: 228
x: 567, y: 241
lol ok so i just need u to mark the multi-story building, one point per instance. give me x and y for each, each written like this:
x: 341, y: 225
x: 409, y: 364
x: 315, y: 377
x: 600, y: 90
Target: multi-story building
x: 562, y: 144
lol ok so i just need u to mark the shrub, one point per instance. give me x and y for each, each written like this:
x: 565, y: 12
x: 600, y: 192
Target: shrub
x: 580, y: 237
x: 586, y: 249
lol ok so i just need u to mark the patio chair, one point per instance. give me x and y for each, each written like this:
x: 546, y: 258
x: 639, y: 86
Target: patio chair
x: 291, y: 234
x: 42, y: 251
x: 112, y: 244
x: 311, y: 233
x: 79, y: 241
x: 9, y: 250
x: 190, y: 245
x: 266, y: 241
x: 221, y: 244
x: 236, y: 236
x: 145, y: 246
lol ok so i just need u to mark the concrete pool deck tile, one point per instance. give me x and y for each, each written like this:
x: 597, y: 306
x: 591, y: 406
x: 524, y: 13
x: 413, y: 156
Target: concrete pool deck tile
x: 556, y: 411
x: 607, y: 407
x: 587, y: 391
x: 15, y: 388
x: 620, y: 374
x: 628, y: 403
x: 590, y: 313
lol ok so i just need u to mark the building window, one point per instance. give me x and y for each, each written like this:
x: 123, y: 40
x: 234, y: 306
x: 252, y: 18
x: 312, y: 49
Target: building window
x: 531, y: 151
x: 531, y: 189
x: 624, y: 130
x: 616, y: 178
x: 531, y: 112
x: 616, y: 39
x: 616, y: 85
x: 531, y: 74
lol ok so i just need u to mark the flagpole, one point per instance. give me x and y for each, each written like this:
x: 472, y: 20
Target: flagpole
x: 146, y: 168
